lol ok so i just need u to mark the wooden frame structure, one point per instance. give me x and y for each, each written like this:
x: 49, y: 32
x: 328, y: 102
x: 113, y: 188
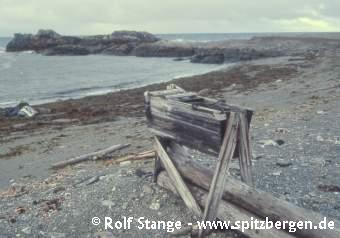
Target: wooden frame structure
x: 210, y: 126
x: 181, y: 119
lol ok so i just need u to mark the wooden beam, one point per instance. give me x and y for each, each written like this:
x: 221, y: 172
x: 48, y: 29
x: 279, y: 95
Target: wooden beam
x: 221, y: 171
x: 244, y: 151
x: 258, y: 202
x: 226, y: 211
x: 181, y: 187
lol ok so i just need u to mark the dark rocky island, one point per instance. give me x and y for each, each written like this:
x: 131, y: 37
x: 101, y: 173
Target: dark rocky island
x: 142, y: 44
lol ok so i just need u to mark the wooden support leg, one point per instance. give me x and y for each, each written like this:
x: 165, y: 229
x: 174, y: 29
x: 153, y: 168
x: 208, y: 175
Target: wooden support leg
x: 179, y: 183
x: 221, y: 171
x: 244, y: 151
x: 157, y: 168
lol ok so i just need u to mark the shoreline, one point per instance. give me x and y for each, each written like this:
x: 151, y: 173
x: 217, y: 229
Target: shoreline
x: 129, y: 102
x: 109, y: 89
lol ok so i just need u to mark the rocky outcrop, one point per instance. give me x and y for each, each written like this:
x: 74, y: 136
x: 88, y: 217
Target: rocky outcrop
x: 164, y: 49
x: 49, y: 42
x: 66, y: 50
x: 228, y: 55
x: 142, y: 44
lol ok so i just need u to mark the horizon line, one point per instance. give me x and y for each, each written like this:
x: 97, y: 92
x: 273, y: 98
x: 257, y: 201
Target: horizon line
x: 193, y: 33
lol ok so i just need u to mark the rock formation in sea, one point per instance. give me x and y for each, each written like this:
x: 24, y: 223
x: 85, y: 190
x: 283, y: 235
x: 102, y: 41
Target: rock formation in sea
x: 122, y: 43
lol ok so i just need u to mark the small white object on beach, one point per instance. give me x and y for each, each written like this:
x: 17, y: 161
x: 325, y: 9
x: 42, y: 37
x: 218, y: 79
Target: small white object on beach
x: 320, y: 138
x: 108, y: 203
x: 278, y: 81
x: 155, y: 206
x: 268, y: 142
x: 277, y: 173
x: 321, y: 112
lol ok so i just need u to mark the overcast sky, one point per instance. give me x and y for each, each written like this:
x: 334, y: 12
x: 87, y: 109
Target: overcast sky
x: 168, y: 16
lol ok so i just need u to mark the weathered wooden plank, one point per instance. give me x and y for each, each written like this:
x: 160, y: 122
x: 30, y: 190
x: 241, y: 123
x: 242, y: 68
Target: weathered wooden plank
x: 208, y: 123
x: 244, y: 151
x: 221, y: 171
x: 227, y: 211
x: 204, y: 145
x: 180, y: 185
x: 173, y: 121
x: 181, y: 107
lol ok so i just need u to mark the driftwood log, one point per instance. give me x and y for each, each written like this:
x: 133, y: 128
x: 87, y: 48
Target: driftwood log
x: 257, y: 202
x: 89, y: 156
x: 226, y: 211
x: 150, y: 154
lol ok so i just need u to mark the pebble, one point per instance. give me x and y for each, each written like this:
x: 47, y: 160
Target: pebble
x: 283, y: 163
x: 155, y: 206
x: 277, y: 173
x: 147, y: 189
x: 125, y: 205
x: 108, y: 203
x: 27, y: 230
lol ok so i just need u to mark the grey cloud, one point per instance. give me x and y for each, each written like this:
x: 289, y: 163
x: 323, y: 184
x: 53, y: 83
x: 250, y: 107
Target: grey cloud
x: 104, y: 16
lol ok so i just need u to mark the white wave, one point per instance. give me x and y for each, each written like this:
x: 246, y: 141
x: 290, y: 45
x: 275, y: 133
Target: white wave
x: 27, y: 52
x: 8, y: 104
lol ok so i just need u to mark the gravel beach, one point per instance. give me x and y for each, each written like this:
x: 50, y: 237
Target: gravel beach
x: 296, y: 99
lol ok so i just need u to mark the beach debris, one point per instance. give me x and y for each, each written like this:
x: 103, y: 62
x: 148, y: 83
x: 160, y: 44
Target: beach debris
x: 14, y: 191
x: 321, y: 112
x: 277, y: 173
x: 271, y: 142
x: 93, y: 180
x: 329, y: 188
x: 91, y: 156
x: 155, y: 205
x: 27, y: 230
x: 108, y: 203
x: 320, y: 138
x: 90, y: 179
x: 20, y: 210
x: 52, y: 205
x: 282, y: 130
x: 22, y: 109
x: 27, y: 111
x: 283, y: 163
x: 149, y: 154
x: 125, y: 163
